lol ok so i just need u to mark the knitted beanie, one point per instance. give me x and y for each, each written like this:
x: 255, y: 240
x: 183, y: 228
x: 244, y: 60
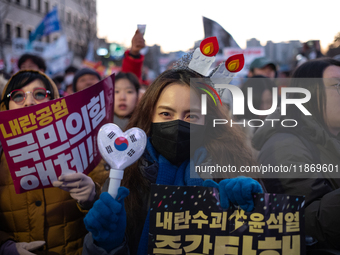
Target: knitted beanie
x: 82, y: 72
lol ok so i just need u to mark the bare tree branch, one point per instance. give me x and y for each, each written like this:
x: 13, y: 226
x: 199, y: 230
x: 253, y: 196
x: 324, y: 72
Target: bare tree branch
x: 87, y: 31
x: 4, y: 11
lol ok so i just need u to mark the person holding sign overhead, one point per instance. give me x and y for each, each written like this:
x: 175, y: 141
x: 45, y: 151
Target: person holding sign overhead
x: 41, y: 221
x: 179, y: 138
x: 127, y: 82
x: 133, y: 60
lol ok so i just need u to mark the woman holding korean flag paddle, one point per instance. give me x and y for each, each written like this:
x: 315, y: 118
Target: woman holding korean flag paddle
x: 41, y: 221
x: 178, y: 138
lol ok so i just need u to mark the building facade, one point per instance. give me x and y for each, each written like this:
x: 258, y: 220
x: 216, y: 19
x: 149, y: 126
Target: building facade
x: 19, y: 18
x: 253, y: 42
x: 283, y: 53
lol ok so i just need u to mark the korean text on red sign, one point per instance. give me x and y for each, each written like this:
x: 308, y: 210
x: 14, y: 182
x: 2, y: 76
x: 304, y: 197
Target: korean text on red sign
x: 56, y: 138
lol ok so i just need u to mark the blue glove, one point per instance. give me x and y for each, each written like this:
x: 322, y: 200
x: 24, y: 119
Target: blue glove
x: 238, y: 191
x: 106, y: 220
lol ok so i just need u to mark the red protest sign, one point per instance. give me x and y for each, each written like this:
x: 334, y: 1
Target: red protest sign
x: 56, y: 138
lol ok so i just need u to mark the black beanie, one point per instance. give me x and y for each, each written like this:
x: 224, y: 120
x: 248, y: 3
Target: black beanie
x: 82, y: 72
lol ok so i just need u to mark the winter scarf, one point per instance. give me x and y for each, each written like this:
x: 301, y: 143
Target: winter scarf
x: 169, y: 174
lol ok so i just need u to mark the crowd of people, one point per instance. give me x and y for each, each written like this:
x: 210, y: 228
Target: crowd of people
x: 78, y: 216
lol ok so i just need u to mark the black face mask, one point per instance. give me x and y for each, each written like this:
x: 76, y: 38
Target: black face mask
x: 172, y: 139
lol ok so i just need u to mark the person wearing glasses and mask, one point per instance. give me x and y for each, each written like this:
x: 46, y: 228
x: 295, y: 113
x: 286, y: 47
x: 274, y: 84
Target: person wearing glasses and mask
x: 313, y: 143
x: 44, y: 221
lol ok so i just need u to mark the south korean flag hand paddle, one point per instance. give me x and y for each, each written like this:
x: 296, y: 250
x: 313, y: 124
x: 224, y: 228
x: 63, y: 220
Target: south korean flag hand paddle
x: 120, y: 149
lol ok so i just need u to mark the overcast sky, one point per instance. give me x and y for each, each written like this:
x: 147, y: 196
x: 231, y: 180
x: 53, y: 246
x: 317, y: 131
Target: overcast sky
x: 177, y: 24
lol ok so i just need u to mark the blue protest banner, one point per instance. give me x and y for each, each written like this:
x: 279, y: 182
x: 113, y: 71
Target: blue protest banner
x: 49, y: 24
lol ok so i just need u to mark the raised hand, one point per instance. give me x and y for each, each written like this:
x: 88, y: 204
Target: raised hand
x: 137, y: 43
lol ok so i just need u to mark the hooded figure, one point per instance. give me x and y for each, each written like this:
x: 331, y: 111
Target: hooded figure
x: 312, y: 143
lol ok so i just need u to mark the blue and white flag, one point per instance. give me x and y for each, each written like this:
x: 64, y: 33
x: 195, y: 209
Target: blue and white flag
x: 49, y: 24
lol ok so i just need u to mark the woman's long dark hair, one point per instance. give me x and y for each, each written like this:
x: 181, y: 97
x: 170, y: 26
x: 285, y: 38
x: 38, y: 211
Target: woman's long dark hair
x: 309, y: 76
x: 224, y: 144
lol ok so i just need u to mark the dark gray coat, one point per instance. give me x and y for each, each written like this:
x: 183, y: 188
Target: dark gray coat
x: 308, y: 144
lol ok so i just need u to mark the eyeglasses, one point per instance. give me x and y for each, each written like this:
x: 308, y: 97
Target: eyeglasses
x: 19, y: 96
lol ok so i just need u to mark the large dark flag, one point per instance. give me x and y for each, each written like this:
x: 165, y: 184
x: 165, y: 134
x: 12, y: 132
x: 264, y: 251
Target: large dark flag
x: 212, y: 28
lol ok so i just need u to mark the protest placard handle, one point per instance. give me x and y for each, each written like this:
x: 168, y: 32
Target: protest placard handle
x: 115, y: 178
